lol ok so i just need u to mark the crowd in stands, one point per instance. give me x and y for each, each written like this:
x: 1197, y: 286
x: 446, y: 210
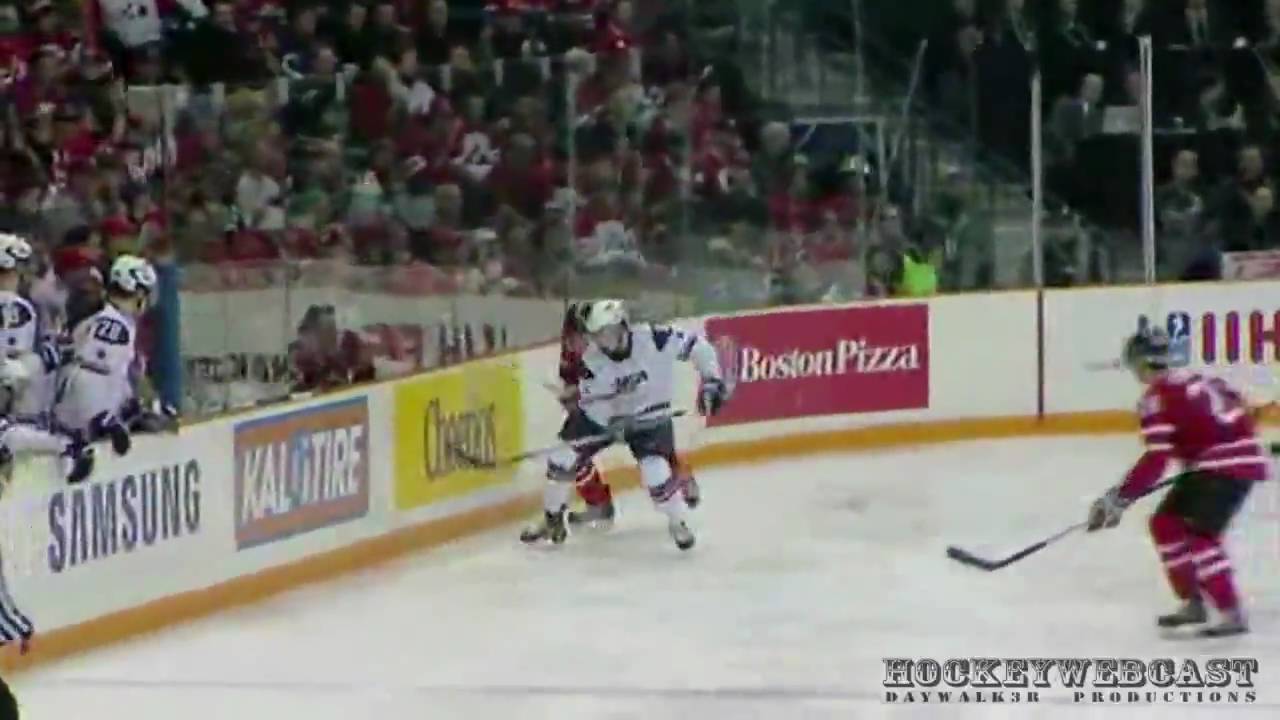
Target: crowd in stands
x: 1214, y: 110
x: 558, y: 147
x: 511, y: 146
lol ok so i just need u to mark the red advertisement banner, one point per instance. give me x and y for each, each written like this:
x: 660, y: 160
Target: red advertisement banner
x: 802, y: 363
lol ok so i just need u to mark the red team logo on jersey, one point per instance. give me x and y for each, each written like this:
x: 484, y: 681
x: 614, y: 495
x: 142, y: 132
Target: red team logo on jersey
x: 824, y: 362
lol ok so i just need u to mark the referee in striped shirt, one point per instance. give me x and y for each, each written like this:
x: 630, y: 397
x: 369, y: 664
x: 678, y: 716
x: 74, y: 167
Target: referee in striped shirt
x: 14, y: 627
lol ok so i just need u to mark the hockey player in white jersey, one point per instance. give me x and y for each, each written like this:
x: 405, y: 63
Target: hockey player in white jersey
x: 96, y: 392
x: 20, y: 333
x: 18, y: 438
x: 629, y: 378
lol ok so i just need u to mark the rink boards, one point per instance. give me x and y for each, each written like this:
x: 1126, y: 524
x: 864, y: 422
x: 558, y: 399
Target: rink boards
x: 235, y: 509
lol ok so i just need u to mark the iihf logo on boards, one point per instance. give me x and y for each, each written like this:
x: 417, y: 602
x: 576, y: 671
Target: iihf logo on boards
x: 1178, y: 326
x: 1215, y: 338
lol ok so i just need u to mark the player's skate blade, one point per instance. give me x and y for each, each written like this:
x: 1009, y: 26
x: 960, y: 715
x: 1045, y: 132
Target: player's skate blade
x: 551, y: 529
x: 1191, y: 613
x: 681, y: 533
x: 1231, y: 624
x: 597, y: 516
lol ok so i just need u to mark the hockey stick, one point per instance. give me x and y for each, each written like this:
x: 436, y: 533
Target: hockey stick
x: 610, y: 435
x: 964, y: 557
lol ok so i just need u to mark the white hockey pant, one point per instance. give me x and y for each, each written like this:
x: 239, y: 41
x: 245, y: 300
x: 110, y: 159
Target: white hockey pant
x: 86, y: 395
x: 655, y: 473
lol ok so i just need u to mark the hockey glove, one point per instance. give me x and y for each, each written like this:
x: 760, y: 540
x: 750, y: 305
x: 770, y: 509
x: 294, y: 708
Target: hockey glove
x: 711, y: 396
x: 160, y: 417
x: 51, y: 356
x: 1106, y: 510
x: 107, y: 425
x: 80, y: 458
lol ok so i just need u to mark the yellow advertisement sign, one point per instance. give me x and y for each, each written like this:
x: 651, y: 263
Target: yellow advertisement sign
x: 449, y: 425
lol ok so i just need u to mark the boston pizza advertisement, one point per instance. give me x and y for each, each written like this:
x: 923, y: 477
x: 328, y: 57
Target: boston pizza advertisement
x: 823, y: 361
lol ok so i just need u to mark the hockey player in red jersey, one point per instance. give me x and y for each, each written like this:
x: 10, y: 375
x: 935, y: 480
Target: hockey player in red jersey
x: 595, y: 493
x: 1204, y: 424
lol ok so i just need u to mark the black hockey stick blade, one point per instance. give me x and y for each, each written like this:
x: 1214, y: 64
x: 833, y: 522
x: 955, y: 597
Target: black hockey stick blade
x: 965, y: 557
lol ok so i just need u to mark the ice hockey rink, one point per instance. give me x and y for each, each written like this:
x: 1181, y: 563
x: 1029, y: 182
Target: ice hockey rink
x: 807, y: 573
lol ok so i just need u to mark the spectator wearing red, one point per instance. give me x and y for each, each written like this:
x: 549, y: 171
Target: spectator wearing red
x: 434, y: 139
x: 612, y: 32
x: 661, y: 171
x: 708, y: 110
x: 119, y: 236
x: 47, y: 28
x: 42, y: 87
x: 324, y: 356
x: 789, y: 206
x: 612, y: 72
x: 244, y: 247
x: 523, y: 180
x: 600, y: 202
x: 76, y: 143
x: 371, y: 105
x: 719, y: 156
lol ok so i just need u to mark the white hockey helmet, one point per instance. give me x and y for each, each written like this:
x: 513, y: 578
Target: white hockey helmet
x: 15, y: 252
x: 131, y: 275
x: 605, y: 321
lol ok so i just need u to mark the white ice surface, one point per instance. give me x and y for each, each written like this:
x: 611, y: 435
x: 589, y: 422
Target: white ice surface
x: 806, y: 574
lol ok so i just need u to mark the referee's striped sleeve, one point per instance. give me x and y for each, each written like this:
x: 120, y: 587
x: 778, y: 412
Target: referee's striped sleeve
x: 14, y: 625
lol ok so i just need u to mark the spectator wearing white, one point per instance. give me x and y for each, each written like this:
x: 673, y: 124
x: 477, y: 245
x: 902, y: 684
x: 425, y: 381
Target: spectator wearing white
x: 135, y: 23
x: 259, y: 197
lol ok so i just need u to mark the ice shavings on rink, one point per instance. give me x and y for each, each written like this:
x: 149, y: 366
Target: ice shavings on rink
x: 807, y: 574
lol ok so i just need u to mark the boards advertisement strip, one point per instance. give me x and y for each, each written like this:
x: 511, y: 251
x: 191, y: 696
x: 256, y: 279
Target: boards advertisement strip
x: 449, y: 425
x: 1253, y: 265
x: 125, y: 514
x: 301, y: 471
x: 1228, y: 330
x: 804, y: 363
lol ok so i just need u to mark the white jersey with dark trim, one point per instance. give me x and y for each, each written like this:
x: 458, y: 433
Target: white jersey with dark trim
x: 19, y: 327
x: 643, y: 382
x: 104, y: 342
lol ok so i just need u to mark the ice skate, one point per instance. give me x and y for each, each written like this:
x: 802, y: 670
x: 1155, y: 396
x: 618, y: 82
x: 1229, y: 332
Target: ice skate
x: 681, y: 533
x: 599, y: 516
x: 1232, y: 623
x: 1192, y: 612
x: 692, y: 493
x: 551, y: 528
